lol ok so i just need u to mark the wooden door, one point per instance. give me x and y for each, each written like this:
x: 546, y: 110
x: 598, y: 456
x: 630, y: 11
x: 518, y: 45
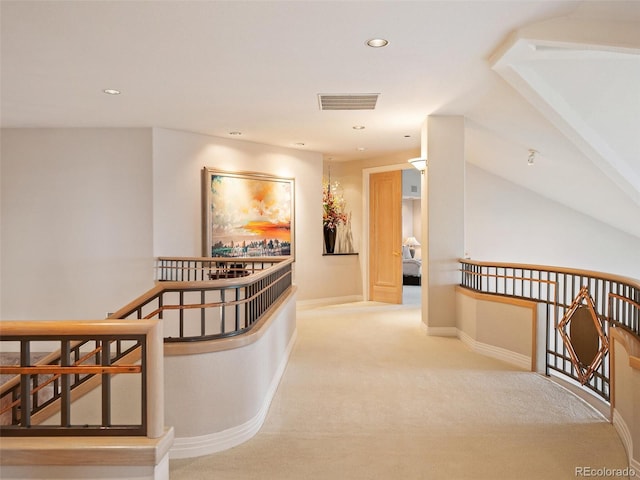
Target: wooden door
x: 385, y: 237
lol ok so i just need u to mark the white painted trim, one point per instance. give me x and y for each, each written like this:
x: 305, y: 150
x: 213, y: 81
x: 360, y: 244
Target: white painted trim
x: 517, y: 359
x: 441, y: 331
x: 77, y: 458
x: 323, y: 302
x: 466, y: 339
x: 189, y: 447
x: 627, y: 439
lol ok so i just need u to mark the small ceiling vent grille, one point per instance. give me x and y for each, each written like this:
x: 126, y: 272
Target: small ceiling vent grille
x: 356, y: 101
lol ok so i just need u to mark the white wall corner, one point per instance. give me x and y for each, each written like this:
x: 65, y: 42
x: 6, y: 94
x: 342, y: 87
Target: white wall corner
x: 439, y: 331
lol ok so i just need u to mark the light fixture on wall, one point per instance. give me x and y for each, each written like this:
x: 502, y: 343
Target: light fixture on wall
x: 419, y: 163
x: 532, y: 157
x: 412, y: 243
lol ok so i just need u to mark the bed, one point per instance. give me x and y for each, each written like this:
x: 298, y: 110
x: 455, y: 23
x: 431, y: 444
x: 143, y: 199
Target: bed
x: 411, y: 268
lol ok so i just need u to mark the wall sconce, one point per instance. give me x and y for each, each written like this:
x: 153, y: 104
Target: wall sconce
x: 419, y: 163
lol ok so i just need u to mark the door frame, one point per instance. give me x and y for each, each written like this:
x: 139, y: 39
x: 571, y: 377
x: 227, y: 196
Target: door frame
x: 364, y: 251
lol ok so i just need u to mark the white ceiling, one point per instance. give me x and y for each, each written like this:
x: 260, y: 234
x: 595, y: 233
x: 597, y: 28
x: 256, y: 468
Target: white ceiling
x: 257, y: 67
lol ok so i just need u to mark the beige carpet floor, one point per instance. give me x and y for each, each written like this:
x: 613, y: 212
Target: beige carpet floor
x: 367, y: 395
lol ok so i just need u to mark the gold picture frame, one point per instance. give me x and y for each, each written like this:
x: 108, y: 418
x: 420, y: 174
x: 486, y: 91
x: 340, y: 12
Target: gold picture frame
x: 247, y: 214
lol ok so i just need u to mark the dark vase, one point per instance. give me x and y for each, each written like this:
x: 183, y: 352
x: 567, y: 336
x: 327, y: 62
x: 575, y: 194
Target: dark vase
x: 329, y: 239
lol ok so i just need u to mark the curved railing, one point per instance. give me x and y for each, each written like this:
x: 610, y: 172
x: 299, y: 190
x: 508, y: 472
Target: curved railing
x: 226, y: 297
x: 608, y: 301
x: 197, y: 299
x: 188, y: 269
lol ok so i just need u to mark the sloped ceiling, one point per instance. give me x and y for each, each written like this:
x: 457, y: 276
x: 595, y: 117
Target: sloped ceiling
x: 583, y: 76
x: 588, y: 86
x: 257, y: 67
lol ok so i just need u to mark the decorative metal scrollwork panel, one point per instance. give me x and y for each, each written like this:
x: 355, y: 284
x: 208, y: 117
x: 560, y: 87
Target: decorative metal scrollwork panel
x: 583, y: 334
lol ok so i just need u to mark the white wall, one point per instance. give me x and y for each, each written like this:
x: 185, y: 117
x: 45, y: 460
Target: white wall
x: 506, y: 222
x: 76, y: 233
x: 178, y: 159
x: 85, y: 211
x: 407, y: 218
x: 443, y: 221
x: 411, y: 183
x: 235, y: 385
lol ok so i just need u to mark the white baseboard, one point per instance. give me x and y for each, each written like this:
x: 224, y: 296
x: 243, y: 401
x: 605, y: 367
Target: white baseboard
x: 517, y: 359
x: 189, y: 447
x: 627, y: 439
x: 321, y: 302
x: 440, y: 331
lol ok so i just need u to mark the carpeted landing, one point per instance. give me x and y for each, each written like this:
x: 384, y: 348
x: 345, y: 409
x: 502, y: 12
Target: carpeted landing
x: 368, y: 395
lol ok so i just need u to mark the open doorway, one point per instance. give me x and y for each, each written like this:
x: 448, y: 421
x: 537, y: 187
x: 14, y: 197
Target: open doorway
x: 411, y: 237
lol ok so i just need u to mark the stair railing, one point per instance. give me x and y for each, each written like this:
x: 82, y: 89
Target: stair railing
x: 197, y: 299
x: 232, y: 298
x: 614, y: 300
x: 91, y: 354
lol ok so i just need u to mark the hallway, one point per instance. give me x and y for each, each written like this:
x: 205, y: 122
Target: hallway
x: 367, y: 395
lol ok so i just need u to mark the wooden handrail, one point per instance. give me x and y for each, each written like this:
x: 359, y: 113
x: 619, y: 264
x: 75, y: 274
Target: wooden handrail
x: 574, y: 271
x: 205, y: 265
x: 11, y: 383
x: 623, y: 299
x: 230, y: 303
x: 148, y: 331
x: 273, y: 259
x: 75, y: 370
x: 631, y: 344
x: 221, y: 283
x: 256, y: 296
x: 46, y: 328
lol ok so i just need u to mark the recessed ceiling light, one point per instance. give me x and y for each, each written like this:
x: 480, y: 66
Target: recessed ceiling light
x: 111, y: 91
x: 299, y: 144
x: 377, y: 42
x: 358, y: 127
x: 361, y: 149
x: 235, y: 133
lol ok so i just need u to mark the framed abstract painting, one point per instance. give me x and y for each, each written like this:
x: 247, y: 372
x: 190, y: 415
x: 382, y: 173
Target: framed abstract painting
x: 247, y: 214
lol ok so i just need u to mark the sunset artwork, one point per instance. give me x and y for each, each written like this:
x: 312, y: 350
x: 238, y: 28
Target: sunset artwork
x: 248, y: 215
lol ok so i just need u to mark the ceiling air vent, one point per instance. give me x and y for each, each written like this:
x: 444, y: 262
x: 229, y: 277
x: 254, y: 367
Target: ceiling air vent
x: 356, y: 101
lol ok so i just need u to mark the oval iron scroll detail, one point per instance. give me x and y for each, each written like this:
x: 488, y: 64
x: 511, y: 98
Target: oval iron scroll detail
x: 583, y: 335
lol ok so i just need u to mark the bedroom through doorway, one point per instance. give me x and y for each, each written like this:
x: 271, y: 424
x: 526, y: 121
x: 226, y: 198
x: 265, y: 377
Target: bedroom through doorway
x: 411, y: 237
